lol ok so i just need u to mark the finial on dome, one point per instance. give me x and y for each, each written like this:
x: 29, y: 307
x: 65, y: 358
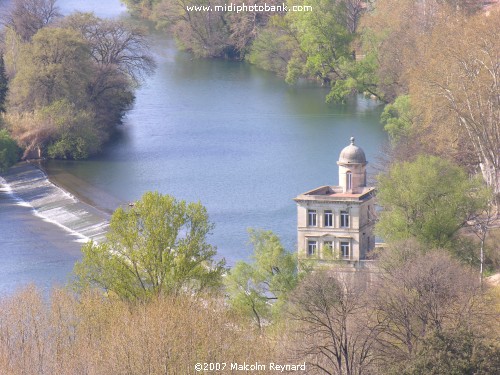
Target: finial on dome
x: 352, y: 154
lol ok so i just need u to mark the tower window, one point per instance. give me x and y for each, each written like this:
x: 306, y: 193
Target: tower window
x: 328, y: 218
x: 345, y: 249
x: 311, y: 218
x: 344, y: 219
x: 348, y: 182
x: 312, y: 246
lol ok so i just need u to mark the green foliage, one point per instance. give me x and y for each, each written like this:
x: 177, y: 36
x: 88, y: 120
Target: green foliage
x: 455, y: 353
x: 429, y: 199
x: 260, y: 289
x: 156, y: 247
x: 72, y: 84
x: 55, y: 65
x: 76, y: 136
x: 319, y: 44
x: 359, y: 77
x: 328, y: 252
x: 272, y: 49
x: 47, y: 95
x: 9, y: 151
x: 323, y: 31
x: 397, y: 118
x: 323, y: 37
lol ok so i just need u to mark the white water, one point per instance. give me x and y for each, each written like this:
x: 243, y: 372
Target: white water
x: 30, y: 187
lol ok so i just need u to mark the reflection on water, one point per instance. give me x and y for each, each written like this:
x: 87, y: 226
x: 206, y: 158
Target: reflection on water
x: 227, y: 134
x: 232, y: 136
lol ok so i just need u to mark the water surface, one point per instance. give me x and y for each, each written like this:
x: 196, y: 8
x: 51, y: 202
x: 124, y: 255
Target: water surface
x: 227, y: 134
x: 232, y: 136
x: 35, y: 246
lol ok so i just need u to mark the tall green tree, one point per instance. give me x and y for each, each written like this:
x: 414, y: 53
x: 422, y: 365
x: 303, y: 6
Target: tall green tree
x: 275, y: 47
x: 158, y: 246
x: 140, y: 8
x: 259, y: 289
x: 55, y: 65
x: 325, y: 37
x: 54, y: 69
x: 72, y: 84
x: 318, y: 44
x: 429, y: 199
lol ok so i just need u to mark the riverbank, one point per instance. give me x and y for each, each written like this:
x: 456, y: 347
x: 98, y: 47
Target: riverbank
x: 80, y: 188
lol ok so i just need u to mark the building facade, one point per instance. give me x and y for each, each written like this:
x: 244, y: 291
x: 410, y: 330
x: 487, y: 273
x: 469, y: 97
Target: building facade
x: 336, y: 222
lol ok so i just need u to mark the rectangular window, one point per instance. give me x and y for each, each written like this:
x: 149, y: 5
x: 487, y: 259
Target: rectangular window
x: 344, y: 219
x: 311, y: 218
x: 312, y: 246
x: 328, y: 218
x: 344, y: 249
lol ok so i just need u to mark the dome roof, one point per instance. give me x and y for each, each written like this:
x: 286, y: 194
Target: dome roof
x: 352, y: 154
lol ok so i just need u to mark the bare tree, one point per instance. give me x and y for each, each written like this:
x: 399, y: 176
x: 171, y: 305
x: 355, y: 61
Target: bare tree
x: 425, y: 294
x: 26, y: 17
x: 481, y: 227
x: 206, y: 34
x: 354, y: 9
x: 332, y: 316
x: 458, y: 86
x: 114, y: 44
x: 92, y: 334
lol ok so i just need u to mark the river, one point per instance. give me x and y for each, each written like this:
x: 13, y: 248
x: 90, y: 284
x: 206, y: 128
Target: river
x: 227, y: 134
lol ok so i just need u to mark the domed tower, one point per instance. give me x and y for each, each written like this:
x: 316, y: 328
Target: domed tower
x: 335, y: 223
x: 352, y: 168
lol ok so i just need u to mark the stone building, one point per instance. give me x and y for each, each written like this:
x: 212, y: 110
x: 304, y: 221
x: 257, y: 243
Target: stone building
x: 336, y: 222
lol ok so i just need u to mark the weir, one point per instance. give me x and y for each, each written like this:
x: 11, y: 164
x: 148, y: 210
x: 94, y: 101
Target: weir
x: 30, y: 187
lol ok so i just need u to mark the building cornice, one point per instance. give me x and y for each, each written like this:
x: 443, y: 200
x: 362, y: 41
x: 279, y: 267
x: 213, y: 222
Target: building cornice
x: 333, y: 196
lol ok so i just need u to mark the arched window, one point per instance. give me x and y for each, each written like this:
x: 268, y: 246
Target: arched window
x: 348, y: 182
